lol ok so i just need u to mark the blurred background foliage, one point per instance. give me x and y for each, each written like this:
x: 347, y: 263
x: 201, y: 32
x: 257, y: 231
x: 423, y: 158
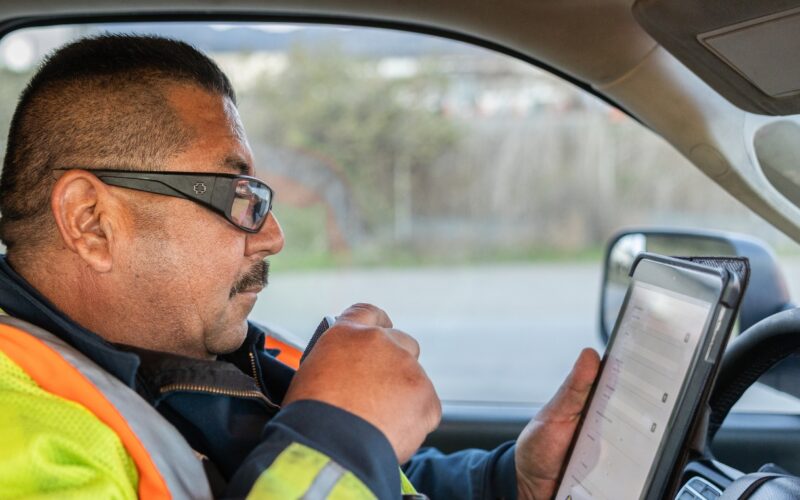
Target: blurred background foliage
x: 398, y: 150
x: 435, y: 184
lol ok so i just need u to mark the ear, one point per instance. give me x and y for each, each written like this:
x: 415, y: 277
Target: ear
x: 85, y: 216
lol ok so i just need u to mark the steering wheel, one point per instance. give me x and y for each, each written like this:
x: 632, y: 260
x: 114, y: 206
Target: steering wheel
x: 749, y: 356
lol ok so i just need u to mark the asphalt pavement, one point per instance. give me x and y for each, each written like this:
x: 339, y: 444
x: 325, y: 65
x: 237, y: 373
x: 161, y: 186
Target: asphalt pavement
x: 506, y: 333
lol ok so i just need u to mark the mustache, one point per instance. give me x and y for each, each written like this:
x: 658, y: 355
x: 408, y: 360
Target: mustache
x: 256, y: 276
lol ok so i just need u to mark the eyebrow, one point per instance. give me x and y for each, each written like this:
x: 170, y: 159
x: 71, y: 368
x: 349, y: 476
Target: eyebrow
x: 237, y: 165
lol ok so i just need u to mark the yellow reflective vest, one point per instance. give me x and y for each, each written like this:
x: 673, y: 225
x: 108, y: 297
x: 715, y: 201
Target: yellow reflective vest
x: 69, y: 429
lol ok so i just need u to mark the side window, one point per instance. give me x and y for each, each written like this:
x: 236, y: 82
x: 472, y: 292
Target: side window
x: 467, y: 193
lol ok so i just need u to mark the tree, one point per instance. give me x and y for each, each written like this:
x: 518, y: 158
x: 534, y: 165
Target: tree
x: 380, y: 131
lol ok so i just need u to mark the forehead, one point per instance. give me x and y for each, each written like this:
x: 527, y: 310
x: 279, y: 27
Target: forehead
x: 218, y: 142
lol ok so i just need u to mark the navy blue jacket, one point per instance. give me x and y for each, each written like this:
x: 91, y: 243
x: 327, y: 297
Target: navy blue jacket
x: 229, y: 410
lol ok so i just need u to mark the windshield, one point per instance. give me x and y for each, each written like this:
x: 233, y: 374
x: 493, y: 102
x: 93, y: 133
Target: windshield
x: 465, y: 192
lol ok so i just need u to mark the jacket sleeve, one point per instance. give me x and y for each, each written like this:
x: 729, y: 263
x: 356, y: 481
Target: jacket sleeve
x: 317, y: 450
x: 474, y: 474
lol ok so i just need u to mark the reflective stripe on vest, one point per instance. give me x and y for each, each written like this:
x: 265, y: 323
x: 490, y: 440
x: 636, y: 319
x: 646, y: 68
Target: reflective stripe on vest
x: 166, y: 464
x: 290, y: 354
x: 305, y: 473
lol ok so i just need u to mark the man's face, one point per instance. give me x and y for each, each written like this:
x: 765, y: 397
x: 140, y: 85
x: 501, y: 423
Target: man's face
x: 195, y: 273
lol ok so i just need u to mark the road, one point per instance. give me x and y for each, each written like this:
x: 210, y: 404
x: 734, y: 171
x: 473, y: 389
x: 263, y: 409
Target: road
x: 502, y: 332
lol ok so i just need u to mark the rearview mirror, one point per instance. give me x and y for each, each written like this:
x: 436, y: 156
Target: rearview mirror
x: 766, y: 294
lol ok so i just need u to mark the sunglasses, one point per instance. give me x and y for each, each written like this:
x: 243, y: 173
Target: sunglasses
x: 243, y: 200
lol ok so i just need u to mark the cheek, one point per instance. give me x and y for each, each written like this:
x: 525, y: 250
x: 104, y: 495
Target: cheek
x: 213, y: 260
x: 197, y: 255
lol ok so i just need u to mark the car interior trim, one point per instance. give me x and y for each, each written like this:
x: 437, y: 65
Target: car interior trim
x: 223, y: 16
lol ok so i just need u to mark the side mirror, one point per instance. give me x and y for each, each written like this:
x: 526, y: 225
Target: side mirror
x: 766, y: 294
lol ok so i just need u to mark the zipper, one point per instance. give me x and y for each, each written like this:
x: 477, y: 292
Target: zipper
x: 216, y: 390
x: 255, y: 372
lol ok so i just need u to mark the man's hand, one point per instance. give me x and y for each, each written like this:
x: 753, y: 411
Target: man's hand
x: 363, y: 365
x: 542, y: 446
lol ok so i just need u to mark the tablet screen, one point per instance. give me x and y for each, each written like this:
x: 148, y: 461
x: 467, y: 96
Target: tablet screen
x: 636, y: 394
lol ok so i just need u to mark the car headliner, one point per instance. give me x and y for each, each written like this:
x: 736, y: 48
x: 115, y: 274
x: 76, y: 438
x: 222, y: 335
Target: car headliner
x: 596, y: 42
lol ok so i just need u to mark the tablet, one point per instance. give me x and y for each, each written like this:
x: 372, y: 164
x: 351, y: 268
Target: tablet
x: 655, y: 375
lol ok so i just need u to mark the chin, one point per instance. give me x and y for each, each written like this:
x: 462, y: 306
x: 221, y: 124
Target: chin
x: 227, y: 341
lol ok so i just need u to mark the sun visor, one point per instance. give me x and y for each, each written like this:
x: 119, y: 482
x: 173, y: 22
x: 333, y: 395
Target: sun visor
x: 748, y: 51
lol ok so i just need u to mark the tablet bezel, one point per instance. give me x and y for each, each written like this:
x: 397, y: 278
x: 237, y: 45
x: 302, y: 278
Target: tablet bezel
x: 715, y: 286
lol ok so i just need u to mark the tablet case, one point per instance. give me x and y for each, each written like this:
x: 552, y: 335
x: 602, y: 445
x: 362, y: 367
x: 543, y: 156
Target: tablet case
x: 740, y: 266
x: 696, y: 442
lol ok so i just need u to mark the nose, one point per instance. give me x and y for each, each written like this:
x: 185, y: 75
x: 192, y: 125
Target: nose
x: 268, y: 241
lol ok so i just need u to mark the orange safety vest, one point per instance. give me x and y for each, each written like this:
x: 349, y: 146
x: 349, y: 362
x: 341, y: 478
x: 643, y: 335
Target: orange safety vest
x: 167, y: 466
x: 290, y: 350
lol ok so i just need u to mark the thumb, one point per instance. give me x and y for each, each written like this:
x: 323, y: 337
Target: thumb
x: 569, y: 401
x: 366, y: 315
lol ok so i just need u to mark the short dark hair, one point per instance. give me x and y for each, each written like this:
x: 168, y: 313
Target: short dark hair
x: 98, y: 102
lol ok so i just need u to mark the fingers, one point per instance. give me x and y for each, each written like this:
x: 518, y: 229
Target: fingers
x: 569, y: 401
x: 367, y: 315
x: 405, y: 341
x: 364, y: 366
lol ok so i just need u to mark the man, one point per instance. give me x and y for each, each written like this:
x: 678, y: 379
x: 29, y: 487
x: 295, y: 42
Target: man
x: 136, y: 243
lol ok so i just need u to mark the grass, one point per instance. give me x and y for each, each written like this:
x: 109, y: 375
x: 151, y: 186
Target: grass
x: 392, y: 257
x: 306, y: 248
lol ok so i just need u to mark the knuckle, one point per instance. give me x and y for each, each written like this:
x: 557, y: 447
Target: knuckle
x: 343, y: 334
x: 414, y: 342
x: 401, y: 333
x: 414, y: 375
x: 437, y: 412
x: 371, y: 337
x: 362, y: 312
x: 363, y: 306
x: 406, y: 339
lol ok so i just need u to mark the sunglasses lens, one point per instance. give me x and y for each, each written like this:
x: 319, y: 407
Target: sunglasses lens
x: 251, y: 203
